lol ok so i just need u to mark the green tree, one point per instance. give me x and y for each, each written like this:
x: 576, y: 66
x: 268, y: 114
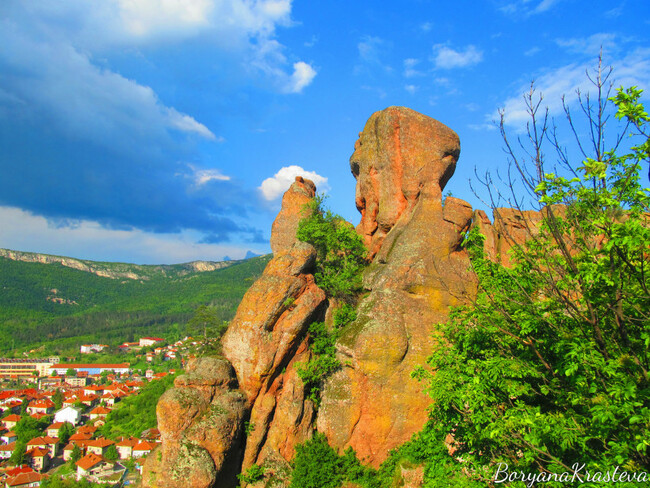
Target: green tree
x: 548, y: 367
x: 18, y: 456
x: 75, y: 455
x: 66, y: 430
x: 341, y: 255
x: 57, y: 398
x: 206, y: 322
x: 111, y: 453
x: 70, y: 372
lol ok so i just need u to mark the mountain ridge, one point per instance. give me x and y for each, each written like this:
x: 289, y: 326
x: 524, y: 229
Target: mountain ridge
x: 118, y: 270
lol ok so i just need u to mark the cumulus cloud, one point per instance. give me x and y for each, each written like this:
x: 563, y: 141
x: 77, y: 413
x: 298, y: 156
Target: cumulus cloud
x: 274, y: 187
x: 445, y: 57
x: 409, y: 68
x: 185, y: 123
x: 303, y: 75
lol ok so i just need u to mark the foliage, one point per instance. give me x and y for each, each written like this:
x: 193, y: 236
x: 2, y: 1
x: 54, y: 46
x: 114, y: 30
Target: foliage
x: 68, y: 482
x: 111, y: 453
x: 323, y: 362
x: 317, y: 465
x: 76, y: 454
x: 18, y: 455
x: 28, y: 427
x: 136, y: 413
x: 109, y: 310
x: 252, y: 475
x: 341, y: 255
x: 549, y: 366
x: 66, y: 430
x: 344, y: 315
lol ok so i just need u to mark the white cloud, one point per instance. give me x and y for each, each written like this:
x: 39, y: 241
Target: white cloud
x: 411, y: 89
x: 203, y: 176
x: 274, y: 187
x: 591, y: 45
x: 303, y: 75
x: 144, y: 17
x: 371, y: 50
x: 409, y: 68
x: 528, y: 7
x: 447, y: 58
x: 633, y: 69
x: 185, y: 123
x: 87, y: 239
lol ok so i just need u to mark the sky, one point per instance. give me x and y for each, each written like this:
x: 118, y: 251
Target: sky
x: 166, y: 131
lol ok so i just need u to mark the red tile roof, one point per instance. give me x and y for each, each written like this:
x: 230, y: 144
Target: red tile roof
x: 24, y: 478
x: 89, y: 461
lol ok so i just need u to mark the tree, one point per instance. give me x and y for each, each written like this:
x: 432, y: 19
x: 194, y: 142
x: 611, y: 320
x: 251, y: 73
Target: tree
x: 547, y: 369
x: 341, y: 255
x: 18, y: 456
x: 66, y: 430
x: 75, y: 455
x: 111, y: 453
x: 57, y: 398
x: 70, y: 372
x: 206, y: 322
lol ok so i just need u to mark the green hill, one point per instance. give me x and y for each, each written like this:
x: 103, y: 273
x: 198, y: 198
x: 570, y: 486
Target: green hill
x: 44, y: 302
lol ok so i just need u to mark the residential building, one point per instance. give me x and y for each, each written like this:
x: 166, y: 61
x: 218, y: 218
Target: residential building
x: 24, y: 480
x: 10, y: 421
x: 68, y: 414
x: 22, y: 368
x: 150, y: 341
x: 8, y: 437
x: 61, y: 369
x: 91, y: 464
x: 99, y: 446
x: 125, y: 447
x: 38, y: 458
x: 7, y: 450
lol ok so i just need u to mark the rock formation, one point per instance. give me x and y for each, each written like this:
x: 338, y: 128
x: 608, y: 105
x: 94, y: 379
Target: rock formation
x: 418, y: 269
x: 402, y: 162
x: 200, y: 422
x: 267, y: 337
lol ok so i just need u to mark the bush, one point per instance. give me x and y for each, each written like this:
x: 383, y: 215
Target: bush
x: 324, y: 362
x: 341, y: 255
x: 548, y: 367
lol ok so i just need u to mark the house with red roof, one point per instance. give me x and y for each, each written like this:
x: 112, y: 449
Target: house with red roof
x: 51, y: 444
x: 99, y: 446
x: 7, y: 450
x: 38, y: 458
x: 125, y: 447
x: 25, y: 480
x: 92, y: 464
x: 99, y: 413
x: 10, y: 421
x: 44, y: 406
x: 143, y: 448
x: 8, y: 437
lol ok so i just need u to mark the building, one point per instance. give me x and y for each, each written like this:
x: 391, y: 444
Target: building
x: 91, y: 464
x: 24, y: 480
x: 150, y: 341
x: 21, y: 368
x: 61, y: 369
x: 125, y: 447
x: 90, y: 348
x: 68, y: 414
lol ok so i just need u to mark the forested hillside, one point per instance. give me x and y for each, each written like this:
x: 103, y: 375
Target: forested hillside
x: 44, y: 302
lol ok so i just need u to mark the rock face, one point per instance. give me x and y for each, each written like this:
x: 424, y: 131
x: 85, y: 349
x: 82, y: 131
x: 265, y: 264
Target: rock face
x: 402, y: 161
x: 200, y: 422
x: 267, y: 337
x: 400, y: 158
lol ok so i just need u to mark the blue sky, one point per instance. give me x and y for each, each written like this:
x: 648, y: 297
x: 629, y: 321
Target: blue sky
x: 161, y: 131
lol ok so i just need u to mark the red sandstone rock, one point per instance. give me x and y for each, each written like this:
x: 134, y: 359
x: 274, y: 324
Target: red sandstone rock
x: 267, y: 337
x: 399, y: 155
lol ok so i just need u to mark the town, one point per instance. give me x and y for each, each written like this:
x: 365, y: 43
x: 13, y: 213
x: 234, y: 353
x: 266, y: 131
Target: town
x: 62, y: 419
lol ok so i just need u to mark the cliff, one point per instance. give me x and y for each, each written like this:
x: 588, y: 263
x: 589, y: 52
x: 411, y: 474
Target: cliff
x: 117, y: 270
x: 418, y: 269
